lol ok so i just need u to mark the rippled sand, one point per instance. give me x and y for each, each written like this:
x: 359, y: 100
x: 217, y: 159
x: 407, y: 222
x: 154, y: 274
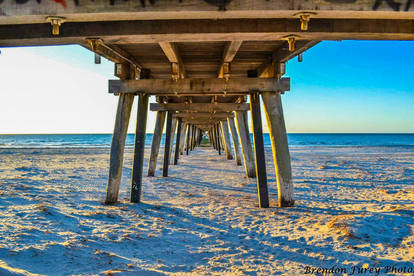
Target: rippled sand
x: 354, y: 207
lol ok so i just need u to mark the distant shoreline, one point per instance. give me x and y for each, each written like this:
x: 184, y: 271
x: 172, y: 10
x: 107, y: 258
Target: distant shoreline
x: 295, y: 140
x: 162, y: 146
x: 294, y: 133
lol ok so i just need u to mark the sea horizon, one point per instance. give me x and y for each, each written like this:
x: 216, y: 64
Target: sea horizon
x: 103, y: 140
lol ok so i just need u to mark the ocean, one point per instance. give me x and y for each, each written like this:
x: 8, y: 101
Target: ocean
x: 295, y: 139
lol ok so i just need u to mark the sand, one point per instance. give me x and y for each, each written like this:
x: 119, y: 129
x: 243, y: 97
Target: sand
x: 354, y: 210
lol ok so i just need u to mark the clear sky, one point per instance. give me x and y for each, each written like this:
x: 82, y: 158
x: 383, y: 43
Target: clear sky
x: 348, y: 86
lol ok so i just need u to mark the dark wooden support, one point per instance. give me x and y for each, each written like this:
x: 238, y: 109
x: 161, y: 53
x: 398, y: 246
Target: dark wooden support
x: 211, y: 137
x: 235, y: 139
x: 200, y: 87
x: 248, y: 156
x: 156, y: 141
x: 173, y: 128
x: 220, y: 136
x: 259, y: 151
x: 123, y: 114
x: 218, y: 139
x: 196, y: 137
x: 190, y: 141
x: 281, y: 157
x: 167, y: 144
x: 140, y: 135
x: 187, y: 146
x: 215, y: 138
x: 370, y: 26
x: 183, y: 136
x: 226, y: 139
x: 193, y: 138
x: 177, y: 142
x: 117, y: 147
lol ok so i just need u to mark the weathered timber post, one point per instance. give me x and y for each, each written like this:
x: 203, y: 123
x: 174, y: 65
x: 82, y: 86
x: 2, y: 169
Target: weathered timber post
x: 226, y: 139
x: 248, y: 158
x: 183, y: 136
x: 173, y: 128
x: 196, y: 137
x: 190, y: 138
x: 211, y: 137
x: 235, y: 138
x: 193, y: 136
x: 281, y: 157
x: 187, y: 146
x: 259, y: 151
x: 156, y: 141
x: 221, y: 137
x: 123, y: 114
x: 140, y: 135
x: 218, y: 139
x: 177, y: 142
x: 167, y: 144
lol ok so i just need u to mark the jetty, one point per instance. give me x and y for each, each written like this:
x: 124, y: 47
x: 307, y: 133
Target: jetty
x: 207, y: 62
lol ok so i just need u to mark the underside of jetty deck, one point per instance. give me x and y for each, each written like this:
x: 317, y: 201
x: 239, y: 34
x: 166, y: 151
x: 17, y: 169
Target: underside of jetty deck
x: 207, y: 62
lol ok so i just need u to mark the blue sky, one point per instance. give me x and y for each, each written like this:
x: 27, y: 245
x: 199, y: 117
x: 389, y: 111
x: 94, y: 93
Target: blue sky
x: 348, y: 86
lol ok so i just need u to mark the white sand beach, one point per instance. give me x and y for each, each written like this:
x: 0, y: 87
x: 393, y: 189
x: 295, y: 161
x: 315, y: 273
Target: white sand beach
x: 354, y: 208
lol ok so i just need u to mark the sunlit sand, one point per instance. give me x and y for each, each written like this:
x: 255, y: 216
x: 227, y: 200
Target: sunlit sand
x: 354, y: 207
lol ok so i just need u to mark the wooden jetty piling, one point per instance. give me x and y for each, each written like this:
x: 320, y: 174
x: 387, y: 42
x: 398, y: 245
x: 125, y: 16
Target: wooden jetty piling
x: 183, y: 137
x: 123, y: 114
x: 217, y: 134
x: 193, y: 131
x: 140, y: 135
x: 235, y: 139
x: 246, y: 145
x: 168, y: 141
x: 211, y: 137
x: 187, y: 146
x: 281, y: 156
x: 177, y: 142
x: 260, y: 160
x: 173, y: 128
x: 156, y: 141
x: 226, y: 139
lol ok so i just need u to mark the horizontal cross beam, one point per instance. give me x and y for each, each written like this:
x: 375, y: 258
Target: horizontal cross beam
x: 202, y: 121
x: 200, y: 107
x: 197, y: 116
x: 199, y: 87
x: 198, y: 30
x: 21, y: 12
